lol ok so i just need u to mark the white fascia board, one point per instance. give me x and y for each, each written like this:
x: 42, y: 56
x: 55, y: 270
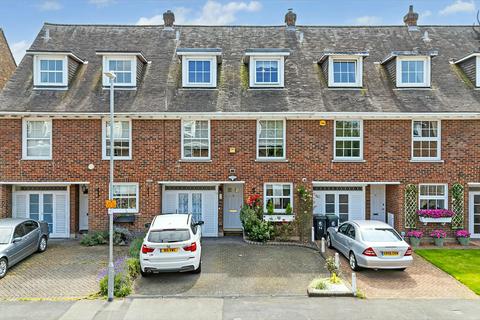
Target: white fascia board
x: 268, y: 54
x: 475, y: 54
x: 128, y: 54
x: 473, y: 184
x: 198, y: 183
x: 351, y: 184
x: 199, y: 53
x: 59, y: 53
x: 42, y: 183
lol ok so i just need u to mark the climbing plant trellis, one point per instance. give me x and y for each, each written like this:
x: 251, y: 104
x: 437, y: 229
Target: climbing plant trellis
x: 411, y: 206
x: 457, y: 191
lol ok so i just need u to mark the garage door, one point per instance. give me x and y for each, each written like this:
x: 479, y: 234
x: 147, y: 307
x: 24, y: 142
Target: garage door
x: 45, y: 205
x: 346, y: 202
x: 200, y: 201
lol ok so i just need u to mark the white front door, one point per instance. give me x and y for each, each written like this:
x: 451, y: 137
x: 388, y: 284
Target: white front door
x: 49, y: 206
x: 377, y: 202
x: 347, y: 204
x: 83, y: 209
x: 232, y: 204
x: 474, y: 217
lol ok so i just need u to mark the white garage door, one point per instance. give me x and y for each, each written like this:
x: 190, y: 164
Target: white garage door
x: 45, y: 205
x: 346, y: 202
x: 201, y: 202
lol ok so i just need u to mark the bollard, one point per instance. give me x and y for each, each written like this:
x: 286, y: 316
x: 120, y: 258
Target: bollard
x: 313, y: 234
x: 323, y: 245
x: 337, y: 261
x: 354, y: 284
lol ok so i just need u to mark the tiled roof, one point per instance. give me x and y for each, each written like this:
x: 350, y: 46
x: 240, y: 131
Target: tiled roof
x: 305, y: 89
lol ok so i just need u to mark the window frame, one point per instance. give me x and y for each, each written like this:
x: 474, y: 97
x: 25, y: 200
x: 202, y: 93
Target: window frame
x: 253, y: 75
x: 426, y: 71
x: 213, y: 71
x: 25, y: 155
x: 137, y: 197
x: 360, y: 138
x: 182, y: 155
x: 106, y: 68
x: 445, y: 197
x: 438, y: 140
x: 477, y: 71
x: 37, y: 74
x: 277, y: 211
x: 284, y: 139
x: 358, y: 71
x: 104, y: 139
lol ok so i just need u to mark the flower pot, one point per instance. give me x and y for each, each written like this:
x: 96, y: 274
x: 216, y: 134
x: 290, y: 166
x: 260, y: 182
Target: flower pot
x: 444, y: 220
x: 463, y: 241
x: 438, y: 241
x: 415, y: 242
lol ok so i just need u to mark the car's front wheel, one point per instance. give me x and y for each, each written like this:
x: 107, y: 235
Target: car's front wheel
x: 3, y: 267
x: 329, y: 241
x: 352, y: 261
x: 42, y: 245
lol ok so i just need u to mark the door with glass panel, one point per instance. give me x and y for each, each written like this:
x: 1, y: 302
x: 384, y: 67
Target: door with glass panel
x: 338, y: 204
x: 190, y: 202
x: 474, y: 219
x: 40, y: 207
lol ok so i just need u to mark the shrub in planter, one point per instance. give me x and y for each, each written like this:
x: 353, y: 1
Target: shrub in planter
x: 288, y: 209
x: 438, y: 237
x: 94, y: 238
x: 270, y: 208
x: 415, y: 236
x: 463, y: 237
x: 135, y: 246
x: 122, y: 286
x: 133, y: 267
x: 255, y: 228
x: 261, y: 232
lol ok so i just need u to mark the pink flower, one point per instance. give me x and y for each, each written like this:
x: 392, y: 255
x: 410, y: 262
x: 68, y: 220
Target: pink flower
x: 415, y: 234
x: 462, y: 234
x: 439, y: 234
x: 435, y: 213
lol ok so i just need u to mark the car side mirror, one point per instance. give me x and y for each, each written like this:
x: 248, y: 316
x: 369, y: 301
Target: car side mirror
x: 18, y: 239
x: 147, y: 225
x: 199, y: 223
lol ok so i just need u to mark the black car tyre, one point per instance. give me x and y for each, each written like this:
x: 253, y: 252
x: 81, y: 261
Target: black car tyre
x: 329, y: 241
x: 401, y: 269
x: 352, y: 261
x: 3, y: 267
x: 145, y: 274
x: 42, y: 245
x: 199, y: 269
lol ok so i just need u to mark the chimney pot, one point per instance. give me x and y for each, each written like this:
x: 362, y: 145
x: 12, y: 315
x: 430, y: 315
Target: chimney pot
x: 411, y: 19
x: 168, y: 19
x: 290, y: 19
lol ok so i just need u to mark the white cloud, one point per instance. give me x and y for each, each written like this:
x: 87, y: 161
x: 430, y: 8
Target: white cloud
x: 212, y: 13
x: 18, y: 50
x: 368, y: 20
x: 458, y: 6
x: 101, y: 3
x: 50, y: 5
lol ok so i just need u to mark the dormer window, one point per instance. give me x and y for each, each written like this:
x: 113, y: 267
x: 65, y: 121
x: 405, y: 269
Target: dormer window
x: 51, y: 71
x: 127, y: 66
x: 413, y: 72
x: 343, y: 69
x: 266, y: 67
x: 199, y: 67
x: 470, y: 66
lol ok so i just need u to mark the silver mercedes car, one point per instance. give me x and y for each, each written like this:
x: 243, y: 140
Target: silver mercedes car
x: 370, y: 244
x: 19, y: 238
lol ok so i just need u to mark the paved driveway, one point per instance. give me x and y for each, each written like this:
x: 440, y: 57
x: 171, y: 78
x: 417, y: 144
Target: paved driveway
x: 421, y: 280
x: 65, y: 270
x: 231, y: 267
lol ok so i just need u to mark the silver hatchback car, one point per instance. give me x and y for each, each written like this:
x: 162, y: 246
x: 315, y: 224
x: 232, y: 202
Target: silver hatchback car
x: 19, y: 238
x: 370, y: 244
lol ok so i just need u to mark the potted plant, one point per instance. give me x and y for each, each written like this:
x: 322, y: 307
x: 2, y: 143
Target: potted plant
x: 463, y: 237
x: 288, y: 209
x: 435, y: 215
x: 270, y: 215
x: 438, y: 237
x: 415, y: 236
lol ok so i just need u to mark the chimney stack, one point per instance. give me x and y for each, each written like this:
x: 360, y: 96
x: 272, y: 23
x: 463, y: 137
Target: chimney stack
x: 168, y: 20
x: 290, y: 19
x: 411, y: 19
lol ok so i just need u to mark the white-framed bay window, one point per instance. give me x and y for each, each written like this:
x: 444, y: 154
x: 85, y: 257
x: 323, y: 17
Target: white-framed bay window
x: 126, y: 195
x: 37, y: 139
x: 426, y: 140
x: 195, y: 136
x: 433, y: 196
x: 271, y: 139
x: 122, y: 133
x: 345, y: 71
x: 281, y: 194
x: 50, y: 70
x: 348, y: 136
x: 413, y: 71
x: 199, y: 71
x: 123, y: 66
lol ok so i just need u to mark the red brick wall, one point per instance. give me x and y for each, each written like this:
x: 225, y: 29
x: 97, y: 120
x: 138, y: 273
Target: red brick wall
x: 74, y: 208
x: 5, y: 201
x: 156, y: 154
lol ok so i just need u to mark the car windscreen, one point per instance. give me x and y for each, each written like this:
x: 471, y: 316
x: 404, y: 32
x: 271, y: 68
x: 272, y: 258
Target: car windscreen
x: 169, y: 235
x: 5, y: 235
x: 380, y: 235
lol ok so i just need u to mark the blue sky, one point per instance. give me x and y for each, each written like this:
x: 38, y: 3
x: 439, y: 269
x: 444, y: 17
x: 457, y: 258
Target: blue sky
x: 22, y: 19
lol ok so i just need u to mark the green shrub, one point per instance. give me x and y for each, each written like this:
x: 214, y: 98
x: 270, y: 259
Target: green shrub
x: 319, y: 284
x: 331, y: 266
x: 122, y: 285
x: 133, y: 267
x: 95, y: 238
x: 135, y: 246
x: 288, y: 209
x: 270, y: 208
x: 261, y: 232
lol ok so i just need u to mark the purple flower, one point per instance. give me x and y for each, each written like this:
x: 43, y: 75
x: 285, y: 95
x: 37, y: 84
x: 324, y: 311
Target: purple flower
x: 462, y: 234
x: 435, y: 213
x: 439, y: 234
x: 415, y: 234
x: 119, y: 266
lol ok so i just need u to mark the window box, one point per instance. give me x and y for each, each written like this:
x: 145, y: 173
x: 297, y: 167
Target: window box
x: 444, y: 220
x: 124, y: 218
x: 278, y: 217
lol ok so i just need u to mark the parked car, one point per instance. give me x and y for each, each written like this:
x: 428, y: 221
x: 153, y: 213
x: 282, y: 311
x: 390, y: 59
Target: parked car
x: 19, y: 238
x: 172, y: 243
x: 370, y: 244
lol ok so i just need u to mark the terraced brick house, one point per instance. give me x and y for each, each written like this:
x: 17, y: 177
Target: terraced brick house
x: 378, y: 121
x: 7, y: 62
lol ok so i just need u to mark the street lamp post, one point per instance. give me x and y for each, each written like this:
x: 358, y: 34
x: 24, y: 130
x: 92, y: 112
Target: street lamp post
x: 111, y: 267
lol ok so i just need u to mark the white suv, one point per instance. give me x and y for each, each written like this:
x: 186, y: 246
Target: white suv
x: 172, y: 244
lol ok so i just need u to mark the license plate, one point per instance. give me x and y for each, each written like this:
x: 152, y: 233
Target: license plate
x: 169, y: 250
x: 390, y: 253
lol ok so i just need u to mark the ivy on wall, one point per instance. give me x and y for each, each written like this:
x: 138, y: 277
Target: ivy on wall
x: 457, y: 191
x: 411, y: 206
